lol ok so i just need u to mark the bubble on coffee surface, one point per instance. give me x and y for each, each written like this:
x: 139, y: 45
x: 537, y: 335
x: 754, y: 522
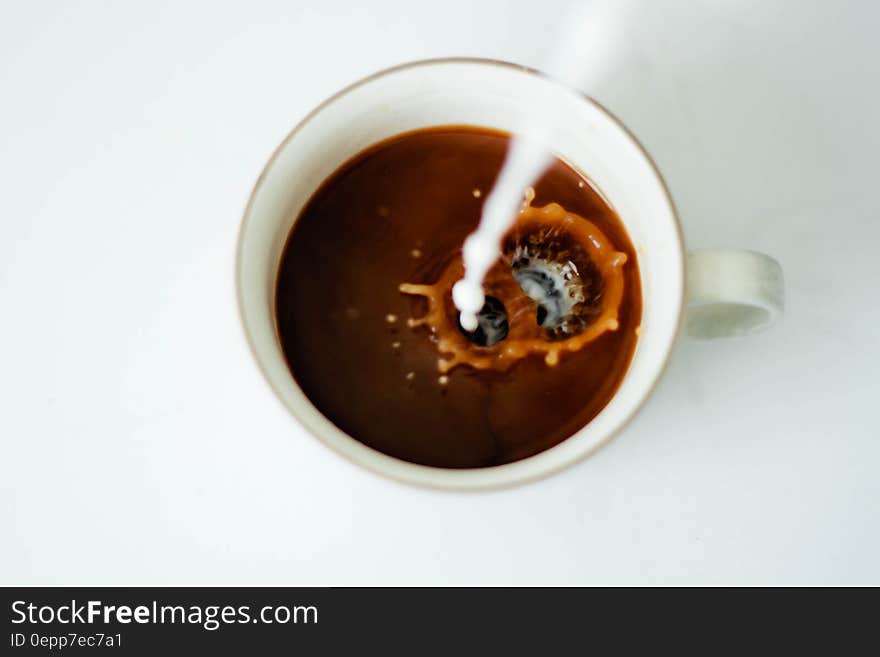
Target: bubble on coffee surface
x: 556, y: 286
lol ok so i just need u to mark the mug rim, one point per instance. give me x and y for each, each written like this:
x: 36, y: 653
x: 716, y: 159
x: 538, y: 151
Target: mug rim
x: 462, y: 486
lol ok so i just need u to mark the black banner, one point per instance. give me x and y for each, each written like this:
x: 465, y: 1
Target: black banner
x: 150, y: 621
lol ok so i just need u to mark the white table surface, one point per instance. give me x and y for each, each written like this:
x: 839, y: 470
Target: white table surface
x: 141, y: 445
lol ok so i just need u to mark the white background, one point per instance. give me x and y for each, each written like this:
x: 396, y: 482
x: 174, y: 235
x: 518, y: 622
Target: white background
x: 141, y: 445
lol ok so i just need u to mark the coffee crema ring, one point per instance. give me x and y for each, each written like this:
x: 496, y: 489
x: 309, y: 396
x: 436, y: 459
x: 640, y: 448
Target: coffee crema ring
x: 559, y: 280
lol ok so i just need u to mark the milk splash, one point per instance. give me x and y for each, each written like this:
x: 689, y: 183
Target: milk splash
x: 544, y: 243
x: 590, y: 39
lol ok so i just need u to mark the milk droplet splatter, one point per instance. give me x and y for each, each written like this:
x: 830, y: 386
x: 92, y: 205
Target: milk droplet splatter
x: 591, y: 36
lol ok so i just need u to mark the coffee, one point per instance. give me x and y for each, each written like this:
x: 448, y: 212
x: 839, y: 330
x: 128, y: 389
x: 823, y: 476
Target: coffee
x: 370, y: 334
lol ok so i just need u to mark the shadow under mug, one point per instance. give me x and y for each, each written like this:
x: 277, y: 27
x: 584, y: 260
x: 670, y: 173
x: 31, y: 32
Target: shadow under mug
x: 716, y: 292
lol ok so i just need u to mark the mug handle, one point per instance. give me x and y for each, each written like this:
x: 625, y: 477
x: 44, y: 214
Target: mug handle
x: 732, y: 292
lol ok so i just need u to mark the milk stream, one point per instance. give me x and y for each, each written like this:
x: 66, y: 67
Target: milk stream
x: 584, y: 52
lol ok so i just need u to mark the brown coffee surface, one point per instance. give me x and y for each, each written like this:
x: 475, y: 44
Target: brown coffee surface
x: 399, y: 213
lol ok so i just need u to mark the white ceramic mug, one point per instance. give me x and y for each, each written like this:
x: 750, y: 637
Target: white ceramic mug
x: 717, y: 292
